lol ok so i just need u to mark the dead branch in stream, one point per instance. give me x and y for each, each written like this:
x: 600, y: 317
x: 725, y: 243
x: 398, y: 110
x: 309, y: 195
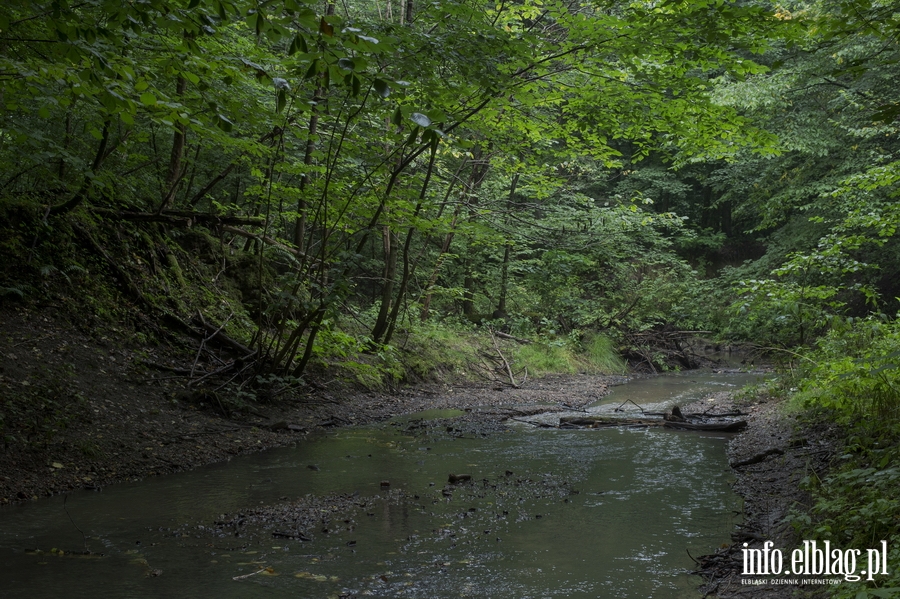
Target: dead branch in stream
x: 619, y: 409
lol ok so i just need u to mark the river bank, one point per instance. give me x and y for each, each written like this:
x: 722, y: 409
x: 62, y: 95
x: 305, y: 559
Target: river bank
x: 770, y: 459
x: 112, y: 420
x: 81, y: 412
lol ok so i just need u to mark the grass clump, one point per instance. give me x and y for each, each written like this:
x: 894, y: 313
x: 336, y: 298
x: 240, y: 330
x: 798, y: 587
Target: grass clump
x: 546, y: 358
x: 594, y: 354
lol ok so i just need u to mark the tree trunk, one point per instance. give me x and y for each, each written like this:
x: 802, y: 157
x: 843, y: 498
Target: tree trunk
x: 173, y: 176
x: 387, y: 291
x: 318, y: 97
x: 504, y: 271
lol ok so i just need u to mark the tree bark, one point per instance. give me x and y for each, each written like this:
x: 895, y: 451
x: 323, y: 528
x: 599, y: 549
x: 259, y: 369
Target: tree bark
x: 173, y: 175
x: 504, y: 271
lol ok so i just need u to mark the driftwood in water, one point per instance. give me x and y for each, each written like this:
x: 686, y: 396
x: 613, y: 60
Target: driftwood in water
x: 726, y: 427
x: 601, y: 421
x: 606, y: 421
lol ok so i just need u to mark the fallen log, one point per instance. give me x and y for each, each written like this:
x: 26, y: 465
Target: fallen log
x: 181, y: 218
x: 601, y: 421
x: 606, y: 421
x: 503, y: 335
x: 725, y: 427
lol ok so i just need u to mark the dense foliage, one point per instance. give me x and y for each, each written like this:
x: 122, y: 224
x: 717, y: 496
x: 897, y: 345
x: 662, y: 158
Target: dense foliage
x: 354, y: 161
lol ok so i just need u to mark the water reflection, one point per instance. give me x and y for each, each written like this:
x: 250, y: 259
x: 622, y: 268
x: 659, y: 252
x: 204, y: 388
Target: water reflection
x: 586, y: 513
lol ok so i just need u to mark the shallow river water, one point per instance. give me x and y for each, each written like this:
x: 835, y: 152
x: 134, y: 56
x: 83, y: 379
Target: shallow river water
x: 549, y: 513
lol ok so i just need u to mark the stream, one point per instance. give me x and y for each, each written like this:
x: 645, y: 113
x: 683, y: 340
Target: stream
x: 548, y: 513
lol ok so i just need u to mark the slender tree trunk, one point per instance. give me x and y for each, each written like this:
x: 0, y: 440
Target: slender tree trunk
x: 404, y: 281
x: 390, y: 242
x: 61, y: 172
x: 468, y: 303
x: 173, y: 176
x: 312, y: 131
x: 504, y: 271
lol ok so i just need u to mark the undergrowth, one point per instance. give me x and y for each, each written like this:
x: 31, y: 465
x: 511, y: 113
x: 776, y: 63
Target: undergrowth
x: 853, y: 378
x: 594, y: 354
x: 144, y: 275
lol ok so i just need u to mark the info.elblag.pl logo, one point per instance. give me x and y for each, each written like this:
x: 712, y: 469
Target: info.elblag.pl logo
x: 813, y: 560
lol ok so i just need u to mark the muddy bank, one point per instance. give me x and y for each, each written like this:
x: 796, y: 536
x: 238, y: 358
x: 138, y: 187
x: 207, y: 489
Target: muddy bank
x: 79, y: 410
x: 769, y: 459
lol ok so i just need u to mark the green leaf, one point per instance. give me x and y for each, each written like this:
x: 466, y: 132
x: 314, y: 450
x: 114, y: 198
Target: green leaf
x: 420, y: 119
x: 382, y: 88
x: 148, y: 99
x: 346, y: 63
x: 313, y: 70
x: 191, y: 77
x: 298, y: 44
x: 253, y: 21
x: 224, y: 123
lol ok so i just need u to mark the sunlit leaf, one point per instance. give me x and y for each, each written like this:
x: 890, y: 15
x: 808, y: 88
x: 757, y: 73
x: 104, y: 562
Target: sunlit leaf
x: 420, y: 119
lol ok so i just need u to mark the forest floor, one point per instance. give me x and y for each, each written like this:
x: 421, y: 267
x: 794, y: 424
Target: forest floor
x: 80, y: 410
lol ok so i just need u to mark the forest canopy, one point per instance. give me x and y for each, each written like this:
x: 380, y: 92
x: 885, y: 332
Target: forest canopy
x: 556, y: 168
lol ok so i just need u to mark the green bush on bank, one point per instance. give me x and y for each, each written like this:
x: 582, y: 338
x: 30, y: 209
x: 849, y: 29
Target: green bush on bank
x: 855, y: 371
x: 855, y: 506
x: 853, y: 379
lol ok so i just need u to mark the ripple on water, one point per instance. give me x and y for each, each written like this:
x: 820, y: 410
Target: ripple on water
x: 583, y: 513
